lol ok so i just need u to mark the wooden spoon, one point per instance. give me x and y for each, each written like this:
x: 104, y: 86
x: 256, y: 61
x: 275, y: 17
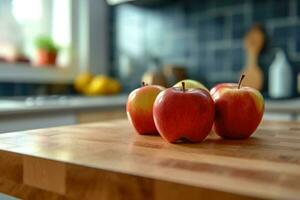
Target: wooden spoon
x: 254, y: 42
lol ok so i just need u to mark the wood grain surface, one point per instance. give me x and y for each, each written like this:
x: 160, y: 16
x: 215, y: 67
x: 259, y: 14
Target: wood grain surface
x: 109, y: 160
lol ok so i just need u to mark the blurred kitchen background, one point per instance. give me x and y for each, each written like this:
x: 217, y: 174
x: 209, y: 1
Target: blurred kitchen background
x: 68, y: 57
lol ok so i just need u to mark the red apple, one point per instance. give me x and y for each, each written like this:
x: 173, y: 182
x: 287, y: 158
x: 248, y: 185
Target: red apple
x: 140, y: 108
x: 239, y: 110
x: 181, y: 113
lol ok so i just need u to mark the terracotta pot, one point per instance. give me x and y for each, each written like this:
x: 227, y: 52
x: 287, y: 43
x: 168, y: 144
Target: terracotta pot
x: 45, y: 57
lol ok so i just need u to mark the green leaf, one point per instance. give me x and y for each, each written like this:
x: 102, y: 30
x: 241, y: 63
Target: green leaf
x: 46, y: 43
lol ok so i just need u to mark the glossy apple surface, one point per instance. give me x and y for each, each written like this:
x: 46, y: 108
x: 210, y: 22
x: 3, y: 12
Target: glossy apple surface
x: 139, y: 109
x: 190, y: 84
x: 238, y: 111
x: 183, y: 114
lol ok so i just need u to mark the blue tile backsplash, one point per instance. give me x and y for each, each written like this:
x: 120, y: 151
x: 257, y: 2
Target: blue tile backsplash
x: 205, y: 36
x: 8, y: 89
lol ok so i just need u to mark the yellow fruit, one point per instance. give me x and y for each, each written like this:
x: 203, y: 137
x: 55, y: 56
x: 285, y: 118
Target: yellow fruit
x: 98, y: 86
x: 189, y: 84
x: 82, y: 81
x: 114, y: 86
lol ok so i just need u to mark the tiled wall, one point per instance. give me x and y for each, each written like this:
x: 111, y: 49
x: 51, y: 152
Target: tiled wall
x: 206, y: 36
x: 8, y: 89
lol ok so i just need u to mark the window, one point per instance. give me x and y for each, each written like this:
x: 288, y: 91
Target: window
x: 22, y: 22
x: 78, y: 27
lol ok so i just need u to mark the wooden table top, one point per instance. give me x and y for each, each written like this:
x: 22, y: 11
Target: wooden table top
x: 68, y: 161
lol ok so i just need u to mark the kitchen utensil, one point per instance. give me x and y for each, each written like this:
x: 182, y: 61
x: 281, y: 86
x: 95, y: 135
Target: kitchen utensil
x: 253, y: 44
x: 174, y: 73
x: 280, y: 77
x: 153, y: 77
x: 154, y: 74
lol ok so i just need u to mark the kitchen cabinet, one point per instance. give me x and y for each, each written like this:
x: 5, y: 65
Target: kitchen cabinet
x: 20, y: 122
x: 102, y: 160
x: 42, y: 112
x: 51, y: 119
x: 285, y: 109
x: 98, y: 116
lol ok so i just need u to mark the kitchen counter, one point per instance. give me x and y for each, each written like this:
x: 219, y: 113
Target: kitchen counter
x: 65, y: 103
x: 109, y: 161
x: 59, y: 103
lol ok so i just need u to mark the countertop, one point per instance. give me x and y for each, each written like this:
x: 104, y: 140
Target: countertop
x: 67, y: 103
x: 110, y: 161
x: 64, y: 103
x: 59, y: 103
x: 291, y: 106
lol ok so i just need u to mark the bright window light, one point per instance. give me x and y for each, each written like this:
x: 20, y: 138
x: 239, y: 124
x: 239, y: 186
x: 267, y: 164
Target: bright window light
x: 61, y: 24
x: 27, y: 10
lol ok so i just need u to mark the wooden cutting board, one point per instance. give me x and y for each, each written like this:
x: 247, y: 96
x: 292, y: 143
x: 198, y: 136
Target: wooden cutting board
x: 109, y: 161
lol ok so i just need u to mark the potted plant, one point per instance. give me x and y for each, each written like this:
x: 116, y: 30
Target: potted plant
x: 47, y: 51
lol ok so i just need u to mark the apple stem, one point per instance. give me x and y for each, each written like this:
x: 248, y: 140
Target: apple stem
x: 143, y: 84
x: 183, y: 85
x: 240, y: 81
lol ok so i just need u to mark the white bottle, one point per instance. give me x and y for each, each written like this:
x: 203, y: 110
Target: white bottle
x: 280, y: 77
